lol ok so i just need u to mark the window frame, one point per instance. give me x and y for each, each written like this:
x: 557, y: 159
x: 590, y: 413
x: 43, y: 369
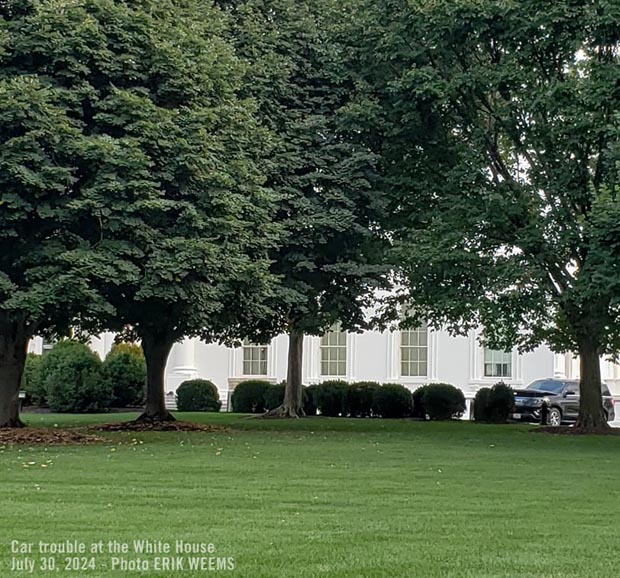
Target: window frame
x: 506, y: 359
x: 341, y: 348
x: 410, y: 347
x: 263, y: 358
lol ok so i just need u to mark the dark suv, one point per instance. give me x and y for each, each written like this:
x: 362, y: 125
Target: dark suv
x: 562, y: 396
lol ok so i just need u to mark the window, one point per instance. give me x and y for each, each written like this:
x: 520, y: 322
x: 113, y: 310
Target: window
x: 414, y: 352
x: 254, y: 359
x: 497, y: 363
x: 334, y: 353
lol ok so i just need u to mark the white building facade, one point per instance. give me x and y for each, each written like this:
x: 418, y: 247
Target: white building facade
x: 412, y: 358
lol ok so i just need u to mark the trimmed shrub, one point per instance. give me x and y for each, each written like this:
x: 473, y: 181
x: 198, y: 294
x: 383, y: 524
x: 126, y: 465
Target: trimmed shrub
x: 358, y: 398
x: 124, y: 370
x: 274, y: 395
x: 501, y: 403
x: 481, y: 404
x: 329, y: 397
x: 495, y: 404
x: 73, y: 379
x: 419, y: 411
x: 443, y: 401
x: 198, y: 395
x: 249, y: 396
x: 309, y: 400
x: 392, y: 400
x: 32, y: 381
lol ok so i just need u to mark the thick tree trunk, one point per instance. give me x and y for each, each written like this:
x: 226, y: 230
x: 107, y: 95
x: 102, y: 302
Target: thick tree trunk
x: 13, y: 348
x: 156, y: 351
x: 293, y: 405
x: 591, y: 413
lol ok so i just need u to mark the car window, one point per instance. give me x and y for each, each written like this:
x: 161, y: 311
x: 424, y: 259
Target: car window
x: 605, y: 389
x: 572, y: 388
x: 549, y: 385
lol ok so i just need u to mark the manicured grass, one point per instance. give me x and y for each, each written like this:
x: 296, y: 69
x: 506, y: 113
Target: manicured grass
x: 328, y: 497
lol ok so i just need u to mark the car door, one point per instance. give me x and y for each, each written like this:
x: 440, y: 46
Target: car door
x: 571, y: 400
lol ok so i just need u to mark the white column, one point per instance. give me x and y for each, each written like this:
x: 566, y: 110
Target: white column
x: 183, y: 357
x: 559, y: 365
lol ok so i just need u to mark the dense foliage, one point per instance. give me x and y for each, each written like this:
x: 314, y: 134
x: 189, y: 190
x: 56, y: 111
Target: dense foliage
x: 329, y: 397
x: 249, y: 396
x: 358, y: 399
x: 392, y: 400
x: 198, y: 395
x: 124, y: 371
x: 494, y: 404
x: 419, y: 411
x: 498, y: 129
x: 73, y: 379
x: 33, y: 383
x: 329, y: 259
x: 443, y: 401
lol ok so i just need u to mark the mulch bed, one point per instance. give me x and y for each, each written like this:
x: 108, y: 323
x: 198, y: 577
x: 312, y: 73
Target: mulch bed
x: 138, y: 426
x: 573, y: 431
x: 47, y: 437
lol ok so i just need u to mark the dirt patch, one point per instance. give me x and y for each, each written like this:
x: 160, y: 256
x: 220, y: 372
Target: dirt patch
x: 574, y: 431
x: 138, y: 426
x: 46, y: 437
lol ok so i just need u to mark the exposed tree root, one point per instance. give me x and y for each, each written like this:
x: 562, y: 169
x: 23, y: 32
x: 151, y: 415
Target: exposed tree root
x: 164, y: 416
x: 283, y: 412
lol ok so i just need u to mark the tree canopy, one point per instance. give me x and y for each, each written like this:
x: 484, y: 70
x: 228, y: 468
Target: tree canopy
x: 170, y: 212
x: 328, y: 260
x: 498, y: 129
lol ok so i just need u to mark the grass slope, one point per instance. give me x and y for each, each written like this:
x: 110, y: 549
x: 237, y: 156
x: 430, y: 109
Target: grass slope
x: 328, y: 497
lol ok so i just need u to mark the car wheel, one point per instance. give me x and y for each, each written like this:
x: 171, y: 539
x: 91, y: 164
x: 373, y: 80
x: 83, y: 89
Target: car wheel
x: 555, y: 417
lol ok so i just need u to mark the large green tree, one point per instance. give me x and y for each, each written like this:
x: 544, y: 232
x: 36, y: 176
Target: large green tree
x: 171, y: 214
x: 498, y: 126
x: 328, y: 261
x: 42, y: 287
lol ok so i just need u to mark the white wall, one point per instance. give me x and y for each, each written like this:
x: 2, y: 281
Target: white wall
x: 373, y: 356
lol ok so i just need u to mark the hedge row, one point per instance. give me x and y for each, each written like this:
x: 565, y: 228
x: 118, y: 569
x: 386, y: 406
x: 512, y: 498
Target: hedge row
x: 72, y: 378
x: 336, y: 398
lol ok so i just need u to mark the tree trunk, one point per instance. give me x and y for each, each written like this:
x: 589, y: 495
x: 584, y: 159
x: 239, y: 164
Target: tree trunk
x: 156, y: 351
x: 591, y: 413
x: 292, y: 405
x: 13, y: 348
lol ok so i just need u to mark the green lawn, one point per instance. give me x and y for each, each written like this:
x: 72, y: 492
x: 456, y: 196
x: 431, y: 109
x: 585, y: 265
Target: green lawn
x: 327, y: 497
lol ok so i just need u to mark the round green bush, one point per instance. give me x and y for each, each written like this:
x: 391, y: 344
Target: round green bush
x: 198, y: 395
x: 32, y: 381
x: 358, y: 398
x: 73, y: 379
x: 501, y: 403
x: 481, y: 404
x: 443, y: 401
x: 419, y: 411
x: 329, y: 397
x: 249, y: 396
x: 124, y: 370
x: 392, y: 400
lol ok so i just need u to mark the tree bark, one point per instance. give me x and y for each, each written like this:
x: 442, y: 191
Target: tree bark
x: 292, y: 406
x: 591, y: 413
x: 13, y: 348
x: 156, y: 351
